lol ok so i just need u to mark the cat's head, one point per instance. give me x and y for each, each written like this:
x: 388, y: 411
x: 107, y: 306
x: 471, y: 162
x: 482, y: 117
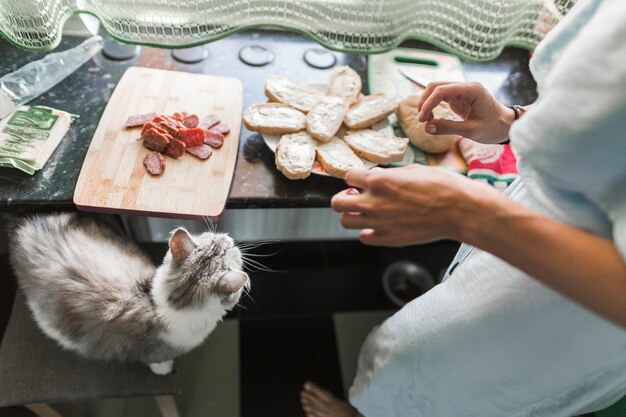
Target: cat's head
x: 203, y: 269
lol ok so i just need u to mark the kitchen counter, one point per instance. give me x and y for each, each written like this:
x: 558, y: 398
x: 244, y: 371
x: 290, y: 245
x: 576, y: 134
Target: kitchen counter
x: 257, y: 183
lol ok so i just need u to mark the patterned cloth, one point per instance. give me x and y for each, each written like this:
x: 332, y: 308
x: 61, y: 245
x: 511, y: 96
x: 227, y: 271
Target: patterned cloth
x: 491, y: 341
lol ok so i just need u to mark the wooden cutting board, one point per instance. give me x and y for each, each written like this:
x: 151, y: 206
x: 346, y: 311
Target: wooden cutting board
x: 113, y: 178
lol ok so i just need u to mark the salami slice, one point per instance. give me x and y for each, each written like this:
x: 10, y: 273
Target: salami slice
x: 155, y: 141
x: 213, y: 139
x: 152, y: 125
x: 167, y: 123
x: 176, y: 122
x: 202, y: 151
x: 191, y: 121
x: 179, y: 115
x: 221, y: 128
x: 191, y: 136
x: 175, y: 148
x: 154, y: 163
x: 209, y: 121
x: 139, y: 119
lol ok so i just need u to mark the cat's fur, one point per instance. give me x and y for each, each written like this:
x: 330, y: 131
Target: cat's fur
x: 99, y: 295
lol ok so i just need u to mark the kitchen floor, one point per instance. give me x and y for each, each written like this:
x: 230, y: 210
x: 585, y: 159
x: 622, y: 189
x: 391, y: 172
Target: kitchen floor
x: 306, y: 320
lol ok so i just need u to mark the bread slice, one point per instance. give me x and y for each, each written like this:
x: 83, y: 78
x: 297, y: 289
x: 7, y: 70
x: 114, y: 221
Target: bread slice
x: 376, y: 146
x: 283, y: 90
x: 295, y: 154
x: 344, y: 83
x: 274, y: 118
x: 369, y: 110
x: 326, y: 117
x: 337, y: 158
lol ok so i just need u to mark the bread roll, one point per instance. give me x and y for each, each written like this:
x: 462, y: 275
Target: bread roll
x: 295, y: 154
x: 337, y: 158
x: 414, y: 129
x: 274, y: 118
x: 376, y: 146
x: 345, y: 83
x: 326, y: 117
x: 282, y: 90
x: 369, y: 110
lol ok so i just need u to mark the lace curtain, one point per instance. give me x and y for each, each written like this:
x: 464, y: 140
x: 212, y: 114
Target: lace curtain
x: 473, y: 29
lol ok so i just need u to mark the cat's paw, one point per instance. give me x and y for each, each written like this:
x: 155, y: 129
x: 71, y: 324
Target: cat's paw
x: 162, y: 368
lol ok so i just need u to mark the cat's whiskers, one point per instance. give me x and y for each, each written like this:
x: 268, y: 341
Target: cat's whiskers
x: 251, y: 263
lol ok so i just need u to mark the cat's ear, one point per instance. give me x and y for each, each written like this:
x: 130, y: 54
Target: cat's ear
x: 181, y: 245
x: 231, y: 282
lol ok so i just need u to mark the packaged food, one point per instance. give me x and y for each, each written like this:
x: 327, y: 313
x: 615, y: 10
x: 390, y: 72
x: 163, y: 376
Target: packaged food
x: 29, y: 136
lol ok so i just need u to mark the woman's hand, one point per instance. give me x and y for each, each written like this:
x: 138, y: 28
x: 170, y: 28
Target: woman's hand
x: 485, y: 119
x: 402, y: 206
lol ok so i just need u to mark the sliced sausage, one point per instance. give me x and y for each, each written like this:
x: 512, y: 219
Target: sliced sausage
x: 155, y: 141
x: 202, y: 151
x: 152, y: 125
x: 213, y: 139
x: 191, y: 121
x: 154, y: 163
x: 209, y: 121
x: 179, y: 115
x: 139, y: 119
x: 175, y: 149
x: 191, y: 136
x: 221, y: 128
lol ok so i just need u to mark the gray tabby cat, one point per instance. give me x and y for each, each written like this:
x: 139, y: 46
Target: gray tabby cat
x: 101, y: 297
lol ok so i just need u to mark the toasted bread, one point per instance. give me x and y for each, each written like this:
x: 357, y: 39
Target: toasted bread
x: 337, y: 158
x: 376, y: 146
x: 345, y: 83
x: 326, y: 117
x: 274, y: 118
x: 295, y: 154
x: 282, y: 90
x: 415, y: 130
x: 369, y: 110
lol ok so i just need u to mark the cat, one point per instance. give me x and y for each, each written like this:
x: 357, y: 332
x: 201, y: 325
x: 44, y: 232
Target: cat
x: 99, y: 295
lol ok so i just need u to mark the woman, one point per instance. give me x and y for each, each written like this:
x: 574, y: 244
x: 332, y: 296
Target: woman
x: 531, y: 317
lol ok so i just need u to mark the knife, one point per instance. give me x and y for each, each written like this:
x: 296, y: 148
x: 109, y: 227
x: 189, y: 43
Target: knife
x: 419, y: 80
x: 37, y: 77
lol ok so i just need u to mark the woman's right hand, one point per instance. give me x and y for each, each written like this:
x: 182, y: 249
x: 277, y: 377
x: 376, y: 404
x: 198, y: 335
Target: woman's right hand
x: 485, y: 119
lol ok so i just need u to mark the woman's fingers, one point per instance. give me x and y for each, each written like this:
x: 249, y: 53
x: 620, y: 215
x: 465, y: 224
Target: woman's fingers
x: 429, y: 90
x: 447, y: 92
x: 344, y: 202
x: 357, y: 178
x: 355, y: 221
x: 450, y: 127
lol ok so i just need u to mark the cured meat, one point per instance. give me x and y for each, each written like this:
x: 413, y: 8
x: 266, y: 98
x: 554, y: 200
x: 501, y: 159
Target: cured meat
x: 175, y: 148
x: 221, y: 128
x: 152, y: 125
x: 139, y: 119
x: 167, y: 123
x: 155, y: 140
x: 209, y: 121
x: 202, y: 151
x: 191, y: 121
x: 179, y: 115
x: 191, y: 136
x: 174, y: 121
x: 213, y: 139
x: 154, y: 163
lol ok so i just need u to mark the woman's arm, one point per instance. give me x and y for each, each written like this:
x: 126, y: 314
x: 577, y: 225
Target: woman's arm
x: 585, y: 268
x: 416, y: 204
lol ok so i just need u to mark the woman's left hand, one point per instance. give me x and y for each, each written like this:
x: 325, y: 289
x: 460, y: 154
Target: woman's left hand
x: 402, y: 206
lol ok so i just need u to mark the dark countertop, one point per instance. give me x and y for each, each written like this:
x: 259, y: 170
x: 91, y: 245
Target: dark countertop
x: 256, y: 181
